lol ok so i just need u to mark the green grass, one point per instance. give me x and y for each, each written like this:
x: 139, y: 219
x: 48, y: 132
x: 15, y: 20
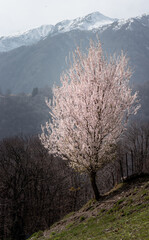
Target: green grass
x: 37, y: 235
x: 110, y: 226
x: 126, y: 219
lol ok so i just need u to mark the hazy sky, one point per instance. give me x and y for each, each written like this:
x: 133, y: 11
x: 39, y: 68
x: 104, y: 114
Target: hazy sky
x: 21, y: 15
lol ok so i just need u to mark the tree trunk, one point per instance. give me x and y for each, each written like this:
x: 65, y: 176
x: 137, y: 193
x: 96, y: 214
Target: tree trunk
x: 94, y: 185
x: 132, y: 162
x: 121, y: 168
x: 126, y: 165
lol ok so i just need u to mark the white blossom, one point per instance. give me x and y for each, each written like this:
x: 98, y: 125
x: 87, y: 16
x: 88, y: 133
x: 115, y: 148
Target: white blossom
x: 90, y: 110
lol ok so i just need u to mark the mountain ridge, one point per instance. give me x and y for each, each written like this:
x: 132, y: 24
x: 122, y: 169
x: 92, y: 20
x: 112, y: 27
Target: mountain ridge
x: 41, y: 64
x: 32, y: 36
x: 91, y: 21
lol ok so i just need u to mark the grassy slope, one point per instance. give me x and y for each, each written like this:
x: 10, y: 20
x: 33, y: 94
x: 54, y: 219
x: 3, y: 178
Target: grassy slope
x: 123, y: 214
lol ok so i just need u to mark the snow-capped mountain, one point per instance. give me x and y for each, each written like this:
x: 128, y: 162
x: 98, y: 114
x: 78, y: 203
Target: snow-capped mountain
x: 129, y: 24
x: 89, y: 22
x: 41, y: 64
x: 24, y: 39
x: 132, y: 23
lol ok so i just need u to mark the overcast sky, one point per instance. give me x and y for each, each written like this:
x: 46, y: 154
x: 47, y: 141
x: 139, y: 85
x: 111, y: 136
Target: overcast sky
x: 21, y: 15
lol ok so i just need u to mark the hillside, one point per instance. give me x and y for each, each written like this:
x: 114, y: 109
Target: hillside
x: 23, y: 114
x: 123, y: 213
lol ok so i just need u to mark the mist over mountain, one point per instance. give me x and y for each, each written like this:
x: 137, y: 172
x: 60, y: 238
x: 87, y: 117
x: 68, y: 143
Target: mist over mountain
x: 23, y: 114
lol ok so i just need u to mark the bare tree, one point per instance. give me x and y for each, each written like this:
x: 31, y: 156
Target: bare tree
x: 35, y: 188
x: 90, y: 111
x: 136, y: 145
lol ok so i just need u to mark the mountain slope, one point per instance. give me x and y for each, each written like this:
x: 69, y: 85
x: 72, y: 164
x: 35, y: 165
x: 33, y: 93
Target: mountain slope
x: 39, y: 65
x: 131, y: 36
x: 23, y: 114
x: 122, y: 214
x: 89, y: 22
